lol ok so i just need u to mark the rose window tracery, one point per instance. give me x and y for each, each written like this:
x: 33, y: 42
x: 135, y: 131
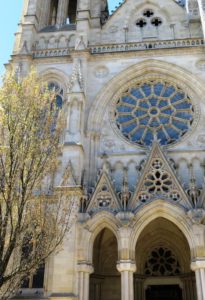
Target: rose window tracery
x: 158, y: 181
x: 162, y: 262
x: 154, y: 110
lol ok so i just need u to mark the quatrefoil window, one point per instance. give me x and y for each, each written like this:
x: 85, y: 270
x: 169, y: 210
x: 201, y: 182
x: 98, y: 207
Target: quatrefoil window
x: 147, y: 14
x: 154, y: 110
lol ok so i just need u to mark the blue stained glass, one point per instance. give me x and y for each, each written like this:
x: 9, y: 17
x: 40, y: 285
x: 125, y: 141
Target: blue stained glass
x: 163, y: 103
x: 183, y: 105
x: 169, y: 91
x: 154, y: 123
x: 124, y: 109
x: 171, y: 132
x: 129, y: 100
x: 123, y: 119
x: 138, y: 134
x: 143, y: 104
x: 129, y: 128
x: 177, y: 97
x: 158, y: 88
x: 169, y: 117
x: 153, y: 101
x: 163, y: 120
x: 184, y: 115
x: 167, y: 111
x: 161, y: 137
x: 144, y: 121
x: 148, y: 138
x: 146, y: 89
x: 137, y: 93
x: 59, y: 101
x: 180, y: 125
x: 139, y: 113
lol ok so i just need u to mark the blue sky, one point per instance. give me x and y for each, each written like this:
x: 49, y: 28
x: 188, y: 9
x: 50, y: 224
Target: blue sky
x: 10, y: 16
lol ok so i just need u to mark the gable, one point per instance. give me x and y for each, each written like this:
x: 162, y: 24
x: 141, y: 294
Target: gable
x: 130, y: 23
x: 104, y: 196
x: 158, y: 180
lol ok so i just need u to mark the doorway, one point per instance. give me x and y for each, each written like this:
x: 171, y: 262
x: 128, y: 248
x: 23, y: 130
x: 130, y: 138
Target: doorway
x: 163, y: 292
x: 162, y: 256
x: 105, y: 282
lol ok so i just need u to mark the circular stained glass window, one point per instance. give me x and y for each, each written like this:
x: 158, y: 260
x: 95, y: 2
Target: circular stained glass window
x: 154, y: 111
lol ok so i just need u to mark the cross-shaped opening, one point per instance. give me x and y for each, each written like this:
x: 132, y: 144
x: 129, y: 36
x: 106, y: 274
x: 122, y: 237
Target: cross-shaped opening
x: 148, y: 13
x: 156, y: 22
x: 141, y: 23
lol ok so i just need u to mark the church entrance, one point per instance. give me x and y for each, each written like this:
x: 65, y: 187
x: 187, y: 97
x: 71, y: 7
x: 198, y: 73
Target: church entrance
x: 163, y: 264
x: 164, y: 292
x: 105, y: 282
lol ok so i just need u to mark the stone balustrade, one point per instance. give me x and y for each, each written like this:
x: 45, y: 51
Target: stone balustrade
x: 126, y: 47
x: 147, y: 45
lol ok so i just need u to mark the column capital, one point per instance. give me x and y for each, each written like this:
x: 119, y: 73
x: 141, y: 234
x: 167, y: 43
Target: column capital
x: 198, y: 263
x: 126, y: 265
x: 85, y: 267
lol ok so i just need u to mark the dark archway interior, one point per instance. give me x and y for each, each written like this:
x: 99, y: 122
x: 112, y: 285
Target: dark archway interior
x: 163, y: 264
x: 105, y: 281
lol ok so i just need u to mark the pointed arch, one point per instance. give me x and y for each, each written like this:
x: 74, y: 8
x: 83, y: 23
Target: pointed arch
x: 95, y: 225
x: 139, y: 72
x: 54, y: 74
x: 170, y: 212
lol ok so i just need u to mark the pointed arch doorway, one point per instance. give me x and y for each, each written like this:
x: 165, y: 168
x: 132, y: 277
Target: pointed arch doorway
x: 105, y: 282
x: 163, y: 264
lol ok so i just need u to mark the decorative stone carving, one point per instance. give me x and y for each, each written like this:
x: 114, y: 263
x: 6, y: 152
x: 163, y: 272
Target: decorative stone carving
x: 68, y: 177
x: 197, y: 216
x: 101, y: 72
x: 80, y: 43
x: 158, y: 180
x: 76, y: 80
x: 104, y: 196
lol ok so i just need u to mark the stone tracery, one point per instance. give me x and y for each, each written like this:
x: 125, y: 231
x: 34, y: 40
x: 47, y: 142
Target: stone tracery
x: 154, y: 110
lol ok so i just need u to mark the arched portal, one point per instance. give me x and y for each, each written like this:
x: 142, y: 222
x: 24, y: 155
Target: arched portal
x: 105, y: 281
x: 163, y: 264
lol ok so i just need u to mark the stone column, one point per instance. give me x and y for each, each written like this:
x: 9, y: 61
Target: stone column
x: 201, y: 4
x: 62, y: 12
x: 198, y: 266
x: 127, y: 268
x: 84, y: 271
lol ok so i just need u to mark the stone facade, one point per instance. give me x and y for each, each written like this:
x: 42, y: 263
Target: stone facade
x: 132, y: 86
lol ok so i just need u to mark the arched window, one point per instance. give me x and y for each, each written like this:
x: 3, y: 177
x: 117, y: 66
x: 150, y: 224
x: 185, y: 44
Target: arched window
x: 54, y: 86
x: 72, y: 9
x: 53, y: 12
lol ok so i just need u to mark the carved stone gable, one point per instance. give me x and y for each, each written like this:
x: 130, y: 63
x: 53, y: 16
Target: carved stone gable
x: 158, y: 180
x: 68, y: 177
x: 104, y: 196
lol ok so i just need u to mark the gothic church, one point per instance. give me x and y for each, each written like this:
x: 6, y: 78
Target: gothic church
x: 132, y: 86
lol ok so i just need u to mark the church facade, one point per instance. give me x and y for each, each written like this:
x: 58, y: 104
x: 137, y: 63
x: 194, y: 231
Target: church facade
x: 132, y: 86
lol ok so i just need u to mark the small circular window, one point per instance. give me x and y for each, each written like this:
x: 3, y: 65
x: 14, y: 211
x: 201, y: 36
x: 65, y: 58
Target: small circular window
x: 154, y: 110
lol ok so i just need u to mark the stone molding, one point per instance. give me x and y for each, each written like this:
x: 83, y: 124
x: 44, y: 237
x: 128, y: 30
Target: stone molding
x: 198, y: 263
x: 85, y: 267
x: 126, y: 265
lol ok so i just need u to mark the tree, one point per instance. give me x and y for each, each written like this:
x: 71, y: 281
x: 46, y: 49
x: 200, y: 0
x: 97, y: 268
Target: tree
x: 34, y: 218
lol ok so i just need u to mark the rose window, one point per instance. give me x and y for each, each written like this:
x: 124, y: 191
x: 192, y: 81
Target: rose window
x: 154, y: 111
x: 162, y: 262
x: 158, y: 182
